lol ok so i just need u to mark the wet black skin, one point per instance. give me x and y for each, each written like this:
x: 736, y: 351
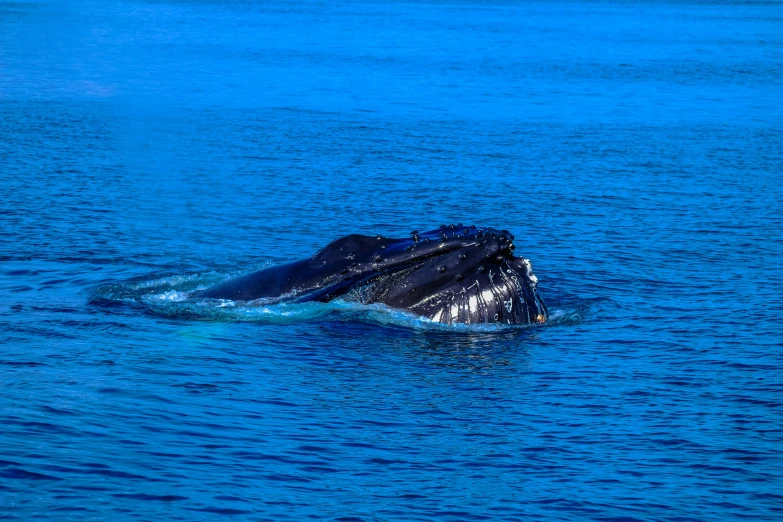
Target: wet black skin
x: 454, y: 274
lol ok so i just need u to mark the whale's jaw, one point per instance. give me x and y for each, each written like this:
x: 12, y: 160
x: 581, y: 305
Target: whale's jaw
x: 480, y: 282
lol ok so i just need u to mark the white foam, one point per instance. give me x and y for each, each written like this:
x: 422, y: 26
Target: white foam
x: 173, y: 296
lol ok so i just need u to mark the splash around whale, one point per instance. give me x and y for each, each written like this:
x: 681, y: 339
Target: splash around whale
x: 453, y: 274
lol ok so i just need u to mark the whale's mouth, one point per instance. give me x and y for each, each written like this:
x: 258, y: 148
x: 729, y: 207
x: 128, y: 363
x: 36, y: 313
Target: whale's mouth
x: 475, y: 279
x: 502, y: 294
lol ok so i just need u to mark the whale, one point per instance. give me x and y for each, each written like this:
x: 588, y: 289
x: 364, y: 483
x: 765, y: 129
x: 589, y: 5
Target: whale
x: 453, y: 274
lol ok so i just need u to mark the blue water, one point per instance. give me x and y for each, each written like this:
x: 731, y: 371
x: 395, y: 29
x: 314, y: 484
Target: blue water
x: 148, y: 148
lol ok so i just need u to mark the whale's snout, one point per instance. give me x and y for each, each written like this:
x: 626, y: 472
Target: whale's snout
x: 524, y: 267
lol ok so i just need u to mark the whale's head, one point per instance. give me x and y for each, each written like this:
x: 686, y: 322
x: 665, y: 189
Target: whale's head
x: 453, y: 274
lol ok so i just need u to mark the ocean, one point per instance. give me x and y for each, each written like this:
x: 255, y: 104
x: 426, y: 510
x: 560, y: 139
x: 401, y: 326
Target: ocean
x: 152, y: 147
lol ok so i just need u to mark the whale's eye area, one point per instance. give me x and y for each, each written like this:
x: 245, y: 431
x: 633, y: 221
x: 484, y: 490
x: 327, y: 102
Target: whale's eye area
x: 441, y: 269
x: 463, y: 257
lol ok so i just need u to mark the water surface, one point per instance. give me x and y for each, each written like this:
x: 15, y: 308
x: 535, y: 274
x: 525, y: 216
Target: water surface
x: 633, y: 148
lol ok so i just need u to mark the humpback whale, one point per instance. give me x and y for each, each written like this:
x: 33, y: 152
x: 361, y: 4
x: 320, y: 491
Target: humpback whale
x: 453, y: 274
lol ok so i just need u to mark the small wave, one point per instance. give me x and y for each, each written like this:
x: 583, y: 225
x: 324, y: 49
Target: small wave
x: 566, y: 316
